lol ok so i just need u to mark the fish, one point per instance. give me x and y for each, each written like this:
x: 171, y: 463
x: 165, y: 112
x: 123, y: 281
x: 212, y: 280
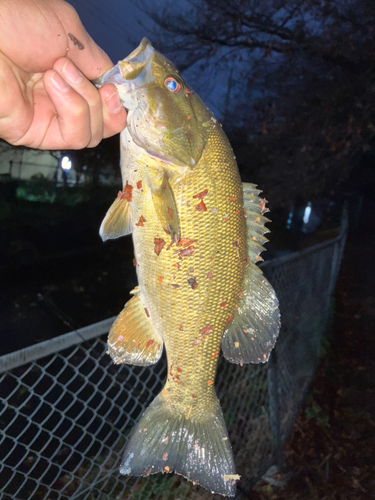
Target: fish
x: 198, y: 232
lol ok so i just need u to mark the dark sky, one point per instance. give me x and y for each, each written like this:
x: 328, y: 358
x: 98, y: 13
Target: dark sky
x: 118, y: 26
x: 113, y: 24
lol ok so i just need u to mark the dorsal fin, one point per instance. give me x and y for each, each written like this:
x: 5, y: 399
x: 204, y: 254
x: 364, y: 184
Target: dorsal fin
x: 255, y: 220
x: 252, y: 334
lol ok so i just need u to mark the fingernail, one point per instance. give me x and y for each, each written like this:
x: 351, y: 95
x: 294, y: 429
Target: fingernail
x: 71, y: 73
x: 59, y: 83
x: 113, y: 103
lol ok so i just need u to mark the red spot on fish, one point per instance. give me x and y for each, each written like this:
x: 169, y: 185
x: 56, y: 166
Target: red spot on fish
x: 263, y: 206
x: 215, y: 355
x: 201, y: 207
x: 194, y: 396
x: 177, y: 265
x: 210, y: 382
x: 141, y: 221
x: 186, y: 252
x: 235, y: 244
x: 147, y: 313
x: 170, y: 213
x: 128, y: 192
x: 209, y: 275
x: 181, y: 328
x: 149, y: 343
x: 233, y: 198
x: 159, y: 245
x: 189, y: 117
x: 160, y: 280
x: 184, y: 242
x: 206, y: 330
x: 192, y: 282
x: 165, y: 456
x: 229, y: 319
x: 223, y: 304
x: 201, y: 195
x: 179, y: 370
x: 134, y: 262
x: 197, y: 342
x: 139, y: 184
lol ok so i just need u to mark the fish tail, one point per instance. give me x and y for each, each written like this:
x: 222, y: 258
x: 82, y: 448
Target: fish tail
x: 193, y: 444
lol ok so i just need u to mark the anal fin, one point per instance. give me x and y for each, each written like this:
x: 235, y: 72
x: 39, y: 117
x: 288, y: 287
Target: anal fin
x: 118, y: 220
x: 132, y: 338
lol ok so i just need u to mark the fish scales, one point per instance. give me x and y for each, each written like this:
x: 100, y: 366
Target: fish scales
x: 197, y: 233
x: 213, y: 234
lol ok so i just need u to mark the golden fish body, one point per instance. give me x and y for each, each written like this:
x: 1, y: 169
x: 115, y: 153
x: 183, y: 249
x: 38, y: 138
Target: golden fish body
x: 185, y: 205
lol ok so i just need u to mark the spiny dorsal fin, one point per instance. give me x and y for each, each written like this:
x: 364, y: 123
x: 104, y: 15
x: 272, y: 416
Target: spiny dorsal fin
x: 118, y: 220
x: 252, y: 334
x: 132, y: 338
x: 255, y: 208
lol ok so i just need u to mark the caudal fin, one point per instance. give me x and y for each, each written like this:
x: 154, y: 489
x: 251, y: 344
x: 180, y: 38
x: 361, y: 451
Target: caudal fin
x: 197, y: 448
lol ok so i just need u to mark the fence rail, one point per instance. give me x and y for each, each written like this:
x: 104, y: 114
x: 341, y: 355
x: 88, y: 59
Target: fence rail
x: 66, y: 411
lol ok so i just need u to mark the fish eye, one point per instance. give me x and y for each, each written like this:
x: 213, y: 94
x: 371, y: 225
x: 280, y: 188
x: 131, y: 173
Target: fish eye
x: 172, y: 84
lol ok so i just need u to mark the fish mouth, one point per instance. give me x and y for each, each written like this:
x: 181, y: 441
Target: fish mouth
x: 130, y: 74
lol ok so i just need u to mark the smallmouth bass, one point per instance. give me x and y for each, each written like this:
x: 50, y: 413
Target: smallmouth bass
x: 197, y: 233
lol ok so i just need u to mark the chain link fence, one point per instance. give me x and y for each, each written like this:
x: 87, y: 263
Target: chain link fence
x: 66, y: 411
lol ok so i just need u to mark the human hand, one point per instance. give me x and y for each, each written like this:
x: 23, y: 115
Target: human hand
x: 46, y: 98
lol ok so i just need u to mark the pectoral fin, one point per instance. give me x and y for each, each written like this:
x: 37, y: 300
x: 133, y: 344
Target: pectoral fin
x: 132, y: 338
x: 251, y: 335
x: 118, y: 220
x: 164, y: 203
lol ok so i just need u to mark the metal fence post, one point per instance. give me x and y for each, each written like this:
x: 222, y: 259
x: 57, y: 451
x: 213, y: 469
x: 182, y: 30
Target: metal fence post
x: 274, y: 405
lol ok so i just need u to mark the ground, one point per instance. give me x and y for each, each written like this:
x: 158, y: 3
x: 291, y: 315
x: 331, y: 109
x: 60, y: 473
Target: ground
x: 330, y: 454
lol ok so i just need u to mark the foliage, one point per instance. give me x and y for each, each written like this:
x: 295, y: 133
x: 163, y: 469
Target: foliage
x: 300, y: 84
x: 316, y: 412
x: 39, y: 188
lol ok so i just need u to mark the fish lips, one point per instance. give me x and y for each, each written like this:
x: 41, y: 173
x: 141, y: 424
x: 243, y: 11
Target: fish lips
x: 125, y: 88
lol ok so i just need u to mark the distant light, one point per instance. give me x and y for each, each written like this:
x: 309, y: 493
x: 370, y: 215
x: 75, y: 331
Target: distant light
x: 66, y: 164
x: 290, y: 218
x: 306, y: 215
